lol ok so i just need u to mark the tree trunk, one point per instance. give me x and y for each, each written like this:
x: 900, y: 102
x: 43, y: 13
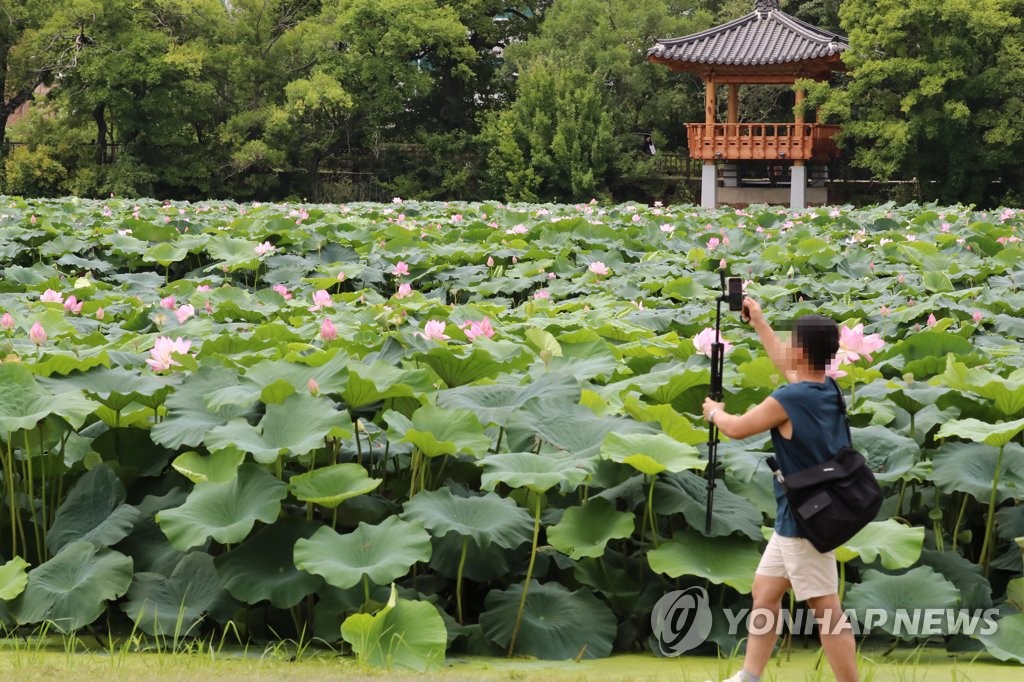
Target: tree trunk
x: 101, y: 133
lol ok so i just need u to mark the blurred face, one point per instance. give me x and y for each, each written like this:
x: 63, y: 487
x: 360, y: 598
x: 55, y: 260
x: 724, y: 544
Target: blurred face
x: 796, y: 358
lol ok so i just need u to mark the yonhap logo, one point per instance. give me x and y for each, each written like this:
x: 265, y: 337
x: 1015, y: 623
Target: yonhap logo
x: 681, y: 620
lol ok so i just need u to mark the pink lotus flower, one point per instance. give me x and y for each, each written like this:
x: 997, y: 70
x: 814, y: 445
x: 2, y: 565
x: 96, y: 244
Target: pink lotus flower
x: 167, y: 303
x: 457, y: 218
x: 433, y: 330
x: 321, y: 299
x: 853, y: 343
x: 283, y: 290
x: 341, y: 275
x: 51, y: 296
x: 599, y: 268
x: 713, y: 243
x: 328, y: 332
x: 401, y: 268
x: 265, y: 248
x: 542, y: 295
x: 833, y: 369
x: 37, y: 334
x: 668, y: 228
x: 404, y: 289
x: 490, y: 261
x: 162, y: 351
x: 703, y: 341
x: 73, y: 305
x: 976, y: 316
x: 184, y: 312
x: 100, y: 313
x: 204, y: 288
x: 313, y: 386
x: 931, y: 320
x: 478, y: 328
x: 7, y: 322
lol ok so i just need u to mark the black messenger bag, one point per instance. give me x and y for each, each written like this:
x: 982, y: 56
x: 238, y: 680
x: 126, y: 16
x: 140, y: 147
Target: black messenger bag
x: 834, y: 500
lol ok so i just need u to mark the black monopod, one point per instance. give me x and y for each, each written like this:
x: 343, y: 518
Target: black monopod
x: 732, y: 293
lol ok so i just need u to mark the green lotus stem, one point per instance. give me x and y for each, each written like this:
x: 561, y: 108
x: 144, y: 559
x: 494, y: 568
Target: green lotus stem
x: 959, y: 519
x: 11, y: 497
x: 649, y: 512
x: 359, y: 445
x: 899, y: 500
x: 30, y: 494
x: 497, y: 444
x: 414, y: 467
x: 366, y: 589
x: 529, y: 575
x: 990, y: 519
x: 458, y: 579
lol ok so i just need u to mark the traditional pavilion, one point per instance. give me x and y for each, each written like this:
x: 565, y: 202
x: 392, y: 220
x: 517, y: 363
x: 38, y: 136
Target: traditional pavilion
x: 765, y: 46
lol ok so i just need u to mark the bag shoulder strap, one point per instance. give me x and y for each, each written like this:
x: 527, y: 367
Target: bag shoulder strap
x: 842, y: 406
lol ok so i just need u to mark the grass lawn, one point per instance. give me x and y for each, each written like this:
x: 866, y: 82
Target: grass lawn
x: 904, y: 665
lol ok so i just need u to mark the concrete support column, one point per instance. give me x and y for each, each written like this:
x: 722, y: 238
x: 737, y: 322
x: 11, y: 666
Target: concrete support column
x: 709, y: 185
x: 798, y: 186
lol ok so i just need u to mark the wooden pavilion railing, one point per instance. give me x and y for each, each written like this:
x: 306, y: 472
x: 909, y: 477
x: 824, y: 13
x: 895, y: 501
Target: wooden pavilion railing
x: 762, y: 141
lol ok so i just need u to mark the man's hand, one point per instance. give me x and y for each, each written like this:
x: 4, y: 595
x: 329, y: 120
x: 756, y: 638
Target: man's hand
x: 752, y: 312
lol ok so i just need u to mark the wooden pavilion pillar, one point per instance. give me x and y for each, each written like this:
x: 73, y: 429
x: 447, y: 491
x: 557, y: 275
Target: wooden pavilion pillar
x: 709, y: 172
x: 798, y: 176
x: 731, y: 169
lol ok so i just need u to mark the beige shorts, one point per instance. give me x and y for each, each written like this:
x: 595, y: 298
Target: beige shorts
x: 811, y: 573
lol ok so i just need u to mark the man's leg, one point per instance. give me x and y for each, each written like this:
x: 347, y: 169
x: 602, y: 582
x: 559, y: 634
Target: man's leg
x: 767, y: 593
x: 836, y: 636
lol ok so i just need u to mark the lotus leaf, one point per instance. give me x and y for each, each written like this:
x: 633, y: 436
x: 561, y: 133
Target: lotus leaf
x: 974, y: 467
x: 996, y: 435
x: 24, y: 403
x: 331, y: 485
x: 437, y: 431
x: 174, y: 606
x: 686, y: 493
x: 651, y: 453
x: 898, y: 545
x: 558, y: 624
x: 219, y: 467
x: 261, y: 568
x: 486, y: 518
x: 910, y: 594
x: 382, y: 553
x: 570, y: 427
x: 495, y: 403
x: 94, y: 510
x: 538, y: 473
x: 584, y: 531
x: 224, y: 511
x: 403, y: 634
x: 729, y: 560
x: 280, y: 433
x: 13, y: 578
x: 188, y: 419
x: 71, y: 590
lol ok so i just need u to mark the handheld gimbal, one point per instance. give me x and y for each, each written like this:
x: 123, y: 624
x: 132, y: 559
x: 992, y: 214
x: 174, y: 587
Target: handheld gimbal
x: 732, y: 293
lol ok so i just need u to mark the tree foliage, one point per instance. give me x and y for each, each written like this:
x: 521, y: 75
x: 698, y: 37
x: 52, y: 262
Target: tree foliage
x: 539, y: 99
x: 935, y: 92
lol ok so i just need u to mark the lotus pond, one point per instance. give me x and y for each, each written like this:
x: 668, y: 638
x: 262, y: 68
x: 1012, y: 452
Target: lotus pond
x: 416, y: 431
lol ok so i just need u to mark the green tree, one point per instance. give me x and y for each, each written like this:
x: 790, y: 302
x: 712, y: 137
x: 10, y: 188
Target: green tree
x: 935, y: 93
x: 598, y: 93
x: 137, y: 85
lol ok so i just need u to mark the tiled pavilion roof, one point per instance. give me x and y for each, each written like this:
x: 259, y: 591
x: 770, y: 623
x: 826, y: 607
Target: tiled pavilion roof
x: 766, y: 40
